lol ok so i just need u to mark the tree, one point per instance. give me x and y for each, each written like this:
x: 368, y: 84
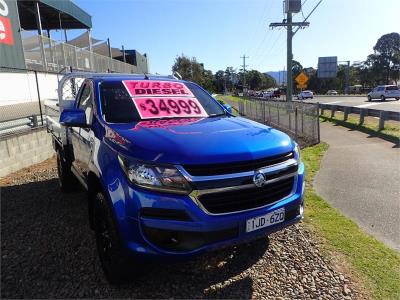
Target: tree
x: 190, y: 69
x: 296, y: 68
x: 219, y: 81
x: 254, y: 79
x: 387, y: 51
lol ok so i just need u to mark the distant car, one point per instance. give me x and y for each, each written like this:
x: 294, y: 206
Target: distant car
x: 384, y: 92
x: 268, y: 94
x: 332, y: 92
x: 305, y: 95
x: 276, y: 94
x: 259, y: 93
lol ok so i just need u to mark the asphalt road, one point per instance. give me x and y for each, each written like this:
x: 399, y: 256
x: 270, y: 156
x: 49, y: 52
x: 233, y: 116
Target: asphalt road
x: 360, y: 176
x: 362, y: 102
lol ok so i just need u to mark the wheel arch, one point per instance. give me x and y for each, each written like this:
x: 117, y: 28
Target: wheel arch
x: 94, y: 185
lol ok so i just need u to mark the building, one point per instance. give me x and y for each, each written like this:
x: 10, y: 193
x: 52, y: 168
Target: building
x: 20, y: 49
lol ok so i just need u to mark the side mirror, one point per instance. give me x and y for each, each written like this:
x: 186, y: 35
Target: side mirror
x: 227, y: 107
x: 73, y: 118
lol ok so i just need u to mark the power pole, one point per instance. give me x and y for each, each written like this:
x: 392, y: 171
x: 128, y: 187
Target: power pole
x: 347, y: 77
x: 244, y: 69
x: 289, y: 58
x: 291, y: 6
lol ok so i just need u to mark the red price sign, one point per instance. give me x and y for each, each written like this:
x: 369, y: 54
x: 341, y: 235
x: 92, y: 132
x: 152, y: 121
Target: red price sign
x: 173, y: 107
x: 156, y: 88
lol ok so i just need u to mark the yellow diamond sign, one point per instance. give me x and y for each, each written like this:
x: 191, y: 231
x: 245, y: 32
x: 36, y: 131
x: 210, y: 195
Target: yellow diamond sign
x: 302, y: 86
x: 302, y: 78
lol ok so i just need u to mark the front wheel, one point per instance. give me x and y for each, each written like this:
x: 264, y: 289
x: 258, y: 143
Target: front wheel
x: 113, y: 257
x: 397, y: 98
x: 383, y: 98
x: 369, y: 98
x: 66, y: 178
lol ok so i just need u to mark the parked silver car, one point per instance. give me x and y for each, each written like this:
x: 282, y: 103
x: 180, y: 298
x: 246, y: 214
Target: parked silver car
x: 384, y: 92
x: 305, y: 95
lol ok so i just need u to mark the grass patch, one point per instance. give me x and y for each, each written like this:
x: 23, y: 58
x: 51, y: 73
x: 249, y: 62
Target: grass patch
x: 377, y: 265
x: 391, y: 132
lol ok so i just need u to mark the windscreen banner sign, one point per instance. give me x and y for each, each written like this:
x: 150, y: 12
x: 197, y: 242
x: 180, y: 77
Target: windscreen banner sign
x: 163, y: 99
x: 6, y: 33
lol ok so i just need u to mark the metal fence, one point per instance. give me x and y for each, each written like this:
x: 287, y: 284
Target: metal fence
x: 22, y: 100
x: 299, y: 120
x: 28, y: 97
x: 56, y: 56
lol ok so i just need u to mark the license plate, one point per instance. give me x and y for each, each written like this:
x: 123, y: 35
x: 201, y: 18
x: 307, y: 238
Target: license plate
x: 275, y: 217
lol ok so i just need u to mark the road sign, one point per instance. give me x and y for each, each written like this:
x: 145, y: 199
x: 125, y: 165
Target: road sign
x: 302, y: 78
x: 327, y: 67
x: 302, y: 86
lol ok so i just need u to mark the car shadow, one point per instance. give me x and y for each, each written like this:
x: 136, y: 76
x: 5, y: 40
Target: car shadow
x: 48, y: 251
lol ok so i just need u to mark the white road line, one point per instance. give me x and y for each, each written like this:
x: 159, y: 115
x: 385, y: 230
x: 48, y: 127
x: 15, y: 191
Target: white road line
x: 333, y: 102
x: 367, y: 105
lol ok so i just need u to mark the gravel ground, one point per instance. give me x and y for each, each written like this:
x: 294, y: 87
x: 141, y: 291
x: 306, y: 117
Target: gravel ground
x: 48, y: 251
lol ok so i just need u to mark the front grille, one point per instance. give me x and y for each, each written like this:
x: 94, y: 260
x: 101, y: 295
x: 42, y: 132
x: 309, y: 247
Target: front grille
x: 238, y: 167
x: 238, y: 200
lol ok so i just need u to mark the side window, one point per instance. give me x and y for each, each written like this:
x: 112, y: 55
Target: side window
x: 381, y: 89
x: 86, y: 102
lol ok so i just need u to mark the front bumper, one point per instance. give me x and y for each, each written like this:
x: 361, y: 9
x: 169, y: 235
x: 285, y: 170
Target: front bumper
x: 156, y: 225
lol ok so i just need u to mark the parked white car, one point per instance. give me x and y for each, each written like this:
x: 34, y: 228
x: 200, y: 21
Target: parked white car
x: 305, y: 95
x: 332, y: 92
x: 268, y: 94
x: 384, y: 92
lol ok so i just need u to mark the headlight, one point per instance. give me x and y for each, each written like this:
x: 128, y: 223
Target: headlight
x: 297, y: 152
x: 154, y: 177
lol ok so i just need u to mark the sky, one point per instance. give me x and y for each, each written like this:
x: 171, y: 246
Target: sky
x: 219, y: 32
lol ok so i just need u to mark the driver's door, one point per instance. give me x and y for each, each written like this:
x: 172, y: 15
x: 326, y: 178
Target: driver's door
x: 82, y: 137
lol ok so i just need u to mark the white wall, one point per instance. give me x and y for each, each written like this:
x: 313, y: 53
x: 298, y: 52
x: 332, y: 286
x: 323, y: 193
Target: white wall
x: 21, y: 87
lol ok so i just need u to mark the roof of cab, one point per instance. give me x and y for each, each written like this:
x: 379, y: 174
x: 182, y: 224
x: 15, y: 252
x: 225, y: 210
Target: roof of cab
x: 118, y: 76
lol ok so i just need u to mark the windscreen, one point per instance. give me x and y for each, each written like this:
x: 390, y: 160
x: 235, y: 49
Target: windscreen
x: 134, y: 100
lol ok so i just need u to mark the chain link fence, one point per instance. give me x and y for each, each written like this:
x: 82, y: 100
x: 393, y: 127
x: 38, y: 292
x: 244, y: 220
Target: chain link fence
x: 299, y: 120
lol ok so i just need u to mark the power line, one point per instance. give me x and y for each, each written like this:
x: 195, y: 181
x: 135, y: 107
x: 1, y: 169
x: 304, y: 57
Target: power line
x: 262, y: 59
x: 261, y: 25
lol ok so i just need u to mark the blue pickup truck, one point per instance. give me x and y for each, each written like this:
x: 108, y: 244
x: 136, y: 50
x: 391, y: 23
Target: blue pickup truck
x: 170, y: 172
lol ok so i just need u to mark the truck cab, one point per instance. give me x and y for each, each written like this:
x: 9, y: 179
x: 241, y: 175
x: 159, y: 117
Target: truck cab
x: 170, y: 172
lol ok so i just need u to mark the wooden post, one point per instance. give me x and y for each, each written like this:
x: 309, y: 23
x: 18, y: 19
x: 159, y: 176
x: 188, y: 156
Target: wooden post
x: 363, y: 113
x: 333, y: 110
x: 382, y: 118
x: 346, y: 113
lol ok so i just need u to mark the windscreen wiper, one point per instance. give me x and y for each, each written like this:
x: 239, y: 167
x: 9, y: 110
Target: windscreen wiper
x: 216, y: 115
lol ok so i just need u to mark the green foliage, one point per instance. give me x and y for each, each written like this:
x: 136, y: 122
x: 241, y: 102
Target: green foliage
x: 296, y: 68
x: 229, y: 80
x: 190, y: 69
x: 379, y: 68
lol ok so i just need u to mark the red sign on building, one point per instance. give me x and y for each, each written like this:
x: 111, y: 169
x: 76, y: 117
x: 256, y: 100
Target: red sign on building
x: 6, y: 34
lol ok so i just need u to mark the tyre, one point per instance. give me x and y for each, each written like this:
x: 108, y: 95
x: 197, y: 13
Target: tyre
x: 116, y: 265
x: 66, y: 179
x: 383, y: 98
x: 397, y: 98
x: 369, y: 98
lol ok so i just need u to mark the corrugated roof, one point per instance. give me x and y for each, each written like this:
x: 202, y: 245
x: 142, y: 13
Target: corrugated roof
x: 72, y: 16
